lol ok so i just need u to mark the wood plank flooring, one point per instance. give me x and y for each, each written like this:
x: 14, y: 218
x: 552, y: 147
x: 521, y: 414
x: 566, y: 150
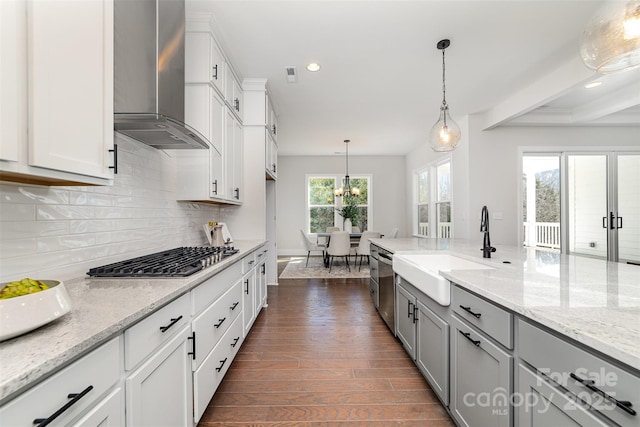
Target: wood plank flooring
x: 320, y: 355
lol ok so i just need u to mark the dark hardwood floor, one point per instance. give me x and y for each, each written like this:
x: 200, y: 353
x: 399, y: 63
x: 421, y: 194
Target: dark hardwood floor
x: 320, y: 355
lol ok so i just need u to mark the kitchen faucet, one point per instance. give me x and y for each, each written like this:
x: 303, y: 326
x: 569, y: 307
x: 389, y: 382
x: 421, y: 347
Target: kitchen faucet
x: 484, y: 227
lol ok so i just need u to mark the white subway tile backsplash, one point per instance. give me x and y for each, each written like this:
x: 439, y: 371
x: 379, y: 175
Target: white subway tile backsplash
x: 61, y: 232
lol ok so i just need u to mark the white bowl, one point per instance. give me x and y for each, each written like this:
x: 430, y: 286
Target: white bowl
x: 28, y: 312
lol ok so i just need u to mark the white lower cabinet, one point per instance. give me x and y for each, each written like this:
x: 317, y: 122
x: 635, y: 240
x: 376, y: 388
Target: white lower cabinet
x: 108, y: 413
x: 73, y: 392
x: 248, y: 300
x: 159, y: 392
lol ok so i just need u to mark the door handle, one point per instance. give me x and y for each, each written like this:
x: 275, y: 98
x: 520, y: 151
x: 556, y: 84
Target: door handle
x: 612, y: 218
x: 619, y: 222
x: 604, y: 222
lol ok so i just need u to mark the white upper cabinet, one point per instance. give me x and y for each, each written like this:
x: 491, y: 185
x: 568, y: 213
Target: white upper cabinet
x: 69, y: 81
x: 204, y: 62
x: 12, y: 85
x: 233, y: 157
x: 233, y: 93
x: 271, y: 119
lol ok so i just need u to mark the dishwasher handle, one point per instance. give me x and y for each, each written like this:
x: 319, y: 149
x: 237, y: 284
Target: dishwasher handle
x: 385, y: 258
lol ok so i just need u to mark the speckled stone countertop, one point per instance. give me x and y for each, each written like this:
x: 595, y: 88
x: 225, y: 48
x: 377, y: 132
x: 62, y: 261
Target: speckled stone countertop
x: 594, y: 302
x: 101, y: 309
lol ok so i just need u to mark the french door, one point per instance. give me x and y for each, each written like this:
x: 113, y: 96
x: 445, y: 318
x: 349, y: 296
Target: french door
x: 602, y: 206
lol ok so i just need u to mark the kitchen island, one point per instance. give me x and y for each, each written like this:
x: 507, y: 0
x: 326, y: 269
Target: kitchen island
x: 102, y: 308
x: 529, y: 337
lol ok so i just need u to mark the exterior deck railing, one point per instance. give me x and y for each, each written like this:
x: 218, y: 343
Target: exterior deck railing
x: 545, y: 234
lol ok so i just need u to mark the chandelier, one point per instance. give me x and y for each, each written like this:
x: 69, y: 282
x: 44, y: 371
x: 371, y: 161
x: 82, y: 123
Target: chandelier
x: 611, y: 40
x: 445, y: 134
x: 347, y: 189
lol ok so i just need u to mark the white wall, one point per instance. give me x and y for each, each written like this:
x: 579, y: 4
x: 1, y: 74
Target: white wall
x: 61, y: 232
x: 388, y: 189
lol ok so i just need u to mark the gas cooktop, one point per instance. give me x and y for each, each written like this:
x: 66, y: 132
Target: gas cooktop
x: 177, y: 262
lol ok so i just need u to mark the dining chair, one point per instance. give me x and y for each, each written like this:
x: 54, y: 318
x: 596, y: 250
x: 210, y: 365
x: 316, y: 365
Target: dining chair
x: 355, y: 229
x: 323, y: 240
x: 339, y: 246
x: 310, y: 246
x: 364, y: 248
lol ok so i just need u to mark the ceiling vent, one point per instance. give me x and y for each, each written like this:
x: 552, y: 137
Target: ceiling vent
x: 292, y: 76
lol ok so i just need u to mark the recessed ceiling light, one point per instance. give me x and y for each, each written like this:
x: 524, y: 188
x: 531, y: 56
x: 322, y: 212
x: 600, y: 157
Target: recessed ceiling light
x: 313, y: 67
x: 593, y: 84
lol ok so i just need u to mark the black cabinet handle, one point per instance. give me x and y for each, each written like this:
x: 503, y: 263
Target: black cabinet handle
x: 619, y: 222
x: 274, y: 168
x: 115, y: 159
x: 222, y: 362
x: 415, y: 313
x: 75, y: 397
x: 612, y: 218
x: 409, y: 310
x: 233, y: 307
x: 193, y: 345
x: 622, y: 404
x: 246, y: 284
x: 604, y: 222
x: 237, y: 191
x: 251, y: 262
x: 215, y: 187
x: 468, y: 310
x: 467, y: 335
x: 274, y: 129
x: 215, y: 72
x: 264, y: 269
x: 236, y: 103
x: 235, y: 341
x: 175, y: 320
x: 220, y: 322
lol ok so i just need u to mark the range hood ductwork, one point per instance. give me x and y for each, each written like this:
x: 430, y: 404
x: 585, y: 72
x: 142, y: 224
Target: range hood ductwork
x: 149, y: 83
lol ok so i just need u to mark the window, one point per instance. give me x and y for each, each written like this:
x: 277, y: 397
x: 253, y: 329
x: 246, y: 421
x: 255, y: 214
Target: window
x: 322, y: 203
x: 433, y: 194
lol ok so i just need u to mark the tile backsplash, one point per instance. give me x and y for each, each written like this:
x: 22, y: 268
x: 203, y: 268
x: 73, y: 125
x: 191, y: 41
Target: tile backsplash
x: 61, y: 232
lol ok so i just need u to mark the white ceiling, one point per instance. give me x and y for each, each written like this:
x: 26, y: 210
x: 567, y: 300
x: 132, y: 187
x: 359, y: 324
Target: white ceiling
x: 515, y: 62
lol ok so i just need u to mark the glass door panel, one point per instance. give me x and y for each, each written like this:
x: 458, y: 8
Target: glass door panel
x: 628, y: 221
x: 587, y: 214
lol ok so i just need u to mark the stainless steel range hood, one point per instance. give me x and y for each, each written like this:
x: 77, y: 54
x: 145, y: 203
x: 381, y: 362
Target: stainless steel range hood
x: 149, y: 74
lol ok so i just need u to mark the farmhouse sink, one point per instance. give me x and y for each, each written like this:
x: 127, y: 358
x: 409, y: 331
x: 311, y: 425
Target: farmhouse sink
x: 423, y: 272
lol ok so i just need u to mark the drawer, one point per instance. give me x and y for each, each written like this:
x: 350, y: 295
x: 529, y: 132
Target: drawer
x: 208, y: 291
x: 488, y: 317
x: 212, y: 324
x: 248, y: 263
x: 89, y: 378
x: 563, y: 363
x: 147, y: 335
x: 209, y: 375
x: 261, y: 255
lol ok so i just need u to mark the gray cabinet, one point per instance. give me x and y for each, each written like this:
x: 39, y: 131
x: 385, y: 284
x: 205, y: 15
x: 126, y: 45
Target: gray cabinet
x: 481, y: 378
x: 541, y: 404
x: 432, y: 350
x: 406, y: 319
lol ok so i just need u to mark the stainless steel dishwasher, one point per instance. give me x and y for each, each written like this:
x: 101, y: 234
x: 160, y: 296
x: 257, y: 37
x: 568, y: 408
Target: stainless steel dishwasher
x: 386, y: 288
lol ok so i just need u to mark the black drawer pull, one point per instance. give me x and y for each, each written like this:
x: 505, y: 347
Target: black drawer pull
x: 222, y: 362
x: 233, y: 307
x: 75, y: 397
x: 622, y: 404
x: 415, y: 313
x: 175, y: 320
x: 235, y: 341
x: 468, y: 310
x: 193, y: 348
x: 246, y: 289
x: 215, y: 74
x: 115, y: 159
x: 467, y: 335
x: 220, y: 322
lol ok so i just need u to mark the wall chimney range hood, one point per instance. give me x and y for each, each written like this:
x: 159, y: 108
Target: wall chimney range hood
x: 149, y: 83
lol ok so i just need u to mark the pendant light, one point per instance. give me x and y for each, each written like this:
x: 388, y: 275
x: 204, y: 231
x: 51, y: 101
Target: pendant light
x: 347, y: 190
x: 611, y: 40
x: 445, y: 134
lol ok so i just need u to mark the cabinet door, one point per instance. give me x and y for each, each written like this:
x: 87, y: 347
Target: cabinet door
x: 541, y: 405
x: 248, y: 300
x: 432, y: 350
x: 481, y: 378
x: 109, y: 412
x: 405, y: 315
x: 70, y: 55
x: 204, y: 62
x: 159, y: 393
x: 261, y: 285
x: 233, y: 157
x: 217, y: 139
x: 13, y: 65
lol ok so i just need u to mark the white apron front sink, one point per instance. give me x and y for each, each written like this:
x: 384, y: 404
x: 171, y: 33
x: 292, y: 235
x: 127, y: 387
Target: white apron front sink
x: 423, y: 272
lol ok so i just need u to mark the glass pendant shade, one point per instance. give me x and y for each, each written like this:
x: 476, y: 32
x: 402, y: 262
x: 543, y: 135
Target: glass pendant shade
x: 611, y: 40
x: 445, y: 134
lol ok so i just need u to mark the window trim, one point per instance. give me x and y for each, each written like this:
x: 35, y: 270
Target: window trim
x: 432, y: 169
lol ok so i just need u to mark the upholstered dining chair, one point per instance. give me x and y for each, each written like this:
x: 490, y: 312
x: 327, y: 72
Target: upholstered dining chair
x: 324, y: 240
x: 364, y: 248
x: 311, y: 246
x: 355, y: 229
x: 339, y: 245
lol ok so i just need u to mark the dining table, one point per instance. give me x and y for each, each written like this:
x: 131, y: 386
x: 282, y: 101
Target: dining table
x: 327, y: 234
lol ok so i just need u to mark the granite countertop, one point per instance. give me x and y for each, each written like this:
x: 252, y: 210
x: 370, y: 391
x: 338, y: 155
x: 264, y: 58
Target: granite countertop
x: 101, y: 309
x: 594, y: 302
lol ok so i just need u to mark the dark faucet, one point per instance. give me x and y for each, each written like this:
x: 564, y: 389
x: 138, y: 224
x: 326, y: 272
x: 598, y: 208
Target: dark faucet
x: 484, y: 227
